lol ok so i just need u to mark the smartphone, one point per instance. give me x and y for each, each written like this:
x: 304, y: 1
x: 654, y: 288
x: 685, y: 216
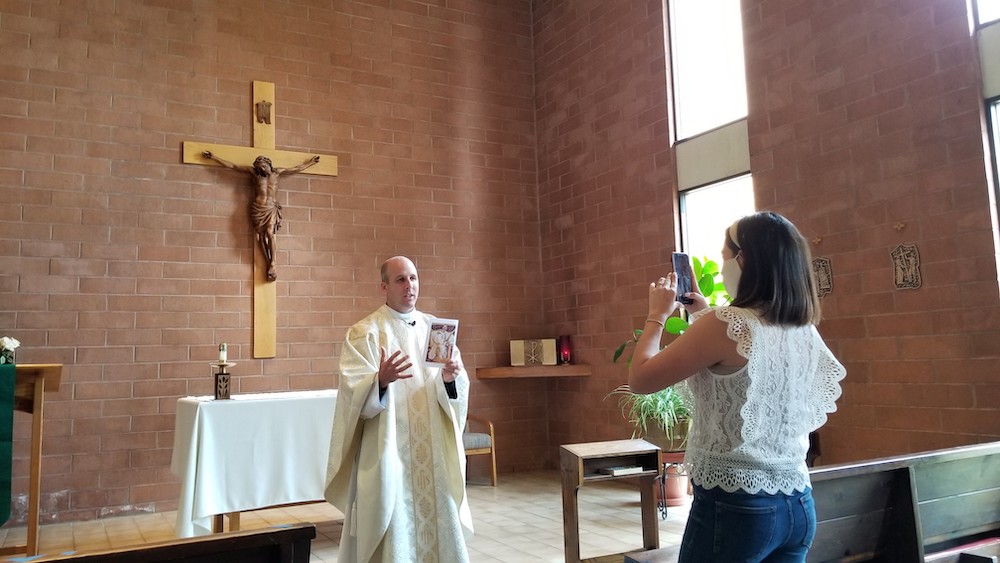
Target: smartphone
x: 682, y: 267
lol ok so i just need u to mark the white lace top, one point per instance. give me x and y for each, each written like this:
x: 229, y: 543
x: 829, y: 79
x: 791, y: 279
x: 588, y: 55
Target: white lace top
x: 750, y: 428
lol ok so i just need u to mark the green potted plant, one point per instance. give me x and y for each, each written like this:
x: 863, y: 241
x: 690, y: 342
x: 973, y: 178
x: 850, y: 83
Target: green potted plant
x: 663, y: 417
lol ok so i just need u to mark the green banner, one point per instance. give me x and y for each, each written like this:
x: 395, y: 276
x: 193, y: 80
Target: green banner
x: 6, y: 437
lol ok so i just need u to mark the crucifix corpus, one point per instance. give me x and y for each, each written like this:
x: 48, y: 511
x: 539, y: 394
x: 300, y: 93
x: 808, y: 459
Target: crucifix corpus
x: 265, y: 165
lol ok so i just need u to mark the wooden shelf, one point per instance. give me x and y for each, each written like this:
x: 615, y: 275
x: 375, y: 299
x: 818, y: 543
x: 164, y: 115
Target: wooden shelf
x: 515, y: 372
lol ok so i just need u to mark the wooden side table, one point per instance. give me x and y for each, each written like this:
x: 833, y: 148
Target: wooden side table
x: 597, y: 461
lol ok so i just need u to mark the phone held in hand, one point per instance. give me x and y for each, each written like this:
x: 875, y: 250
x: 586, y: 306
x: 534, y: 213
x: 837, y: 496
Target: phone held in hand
x: 682, y: 267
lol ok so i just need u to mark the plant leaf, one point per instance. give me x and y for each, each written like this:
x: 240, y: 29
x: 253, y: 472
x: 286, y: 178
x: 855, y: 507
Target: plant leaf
x: 619, y: 351
x: 711, y: 268
x: 676, y: 325
x: 707, y: 285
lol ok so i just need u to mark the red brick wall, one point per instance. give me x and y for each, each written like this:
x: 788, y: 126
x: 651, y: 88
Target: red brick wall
x: 866, y: 130
x: 606, y: 191
x: 130, y: 267
x: 520, y: 153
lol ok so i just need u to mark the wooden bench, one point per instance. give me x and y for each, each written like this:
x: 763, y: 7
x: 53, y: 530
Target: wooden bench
x: 927, y: 507
x: 907, y: 508
x: 269, y: 545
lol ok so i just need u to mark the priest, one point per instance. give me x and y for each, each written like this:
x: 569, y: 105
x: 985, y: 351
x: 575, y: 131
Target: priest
x: 397, y: 465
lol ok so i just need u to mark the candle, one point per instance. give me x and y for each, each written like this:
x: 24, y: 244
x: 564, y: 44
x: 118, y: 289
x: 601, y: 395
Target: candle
x: 564, y: 349
x: 222, y: 353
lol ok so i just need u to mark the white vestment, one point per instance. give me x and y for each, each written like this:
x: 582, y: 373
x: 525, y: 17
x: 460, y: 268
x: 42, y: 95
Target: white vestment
x: 397, y: 464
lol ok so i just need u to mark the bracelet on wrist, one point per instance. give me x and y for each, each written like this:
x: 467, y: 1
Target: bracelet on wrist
x: 655, y: 321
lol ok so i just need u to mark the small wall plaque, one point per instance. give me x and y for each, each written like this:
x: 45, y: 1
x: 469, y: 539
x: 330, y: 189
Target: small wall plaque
x: 823, y: 272
x: 906, y: 266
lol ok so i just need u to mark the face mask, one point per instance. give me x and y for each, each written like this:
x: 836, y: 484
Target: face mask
x: 731, y: 276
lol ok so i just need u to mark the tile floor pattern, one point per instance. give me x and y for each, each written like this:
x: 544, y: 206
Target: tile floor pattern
x: 518, y: 521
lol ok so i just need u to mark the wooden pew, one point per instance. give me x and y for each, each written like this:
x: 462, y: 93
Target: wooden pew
x: 269, y: 545
x: 864, y: 512
x: 927, y: 507
x: 958, y: 496
x: 907, y: 508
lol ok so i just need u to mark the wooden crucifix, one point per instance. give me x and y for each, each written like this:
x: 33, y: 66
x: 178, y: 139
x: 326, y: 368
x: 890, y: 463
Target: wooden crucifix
x: 266, y: 163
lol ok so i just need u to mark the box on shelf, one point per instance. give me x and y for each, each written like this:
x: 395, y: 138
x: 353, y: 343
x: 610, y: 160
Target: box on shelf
x: 537, y: 352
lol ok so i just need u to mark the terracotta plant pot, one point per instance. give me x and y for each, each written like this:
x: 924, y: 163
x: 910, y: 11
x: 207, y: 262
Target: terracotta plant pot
x: 676, y: 486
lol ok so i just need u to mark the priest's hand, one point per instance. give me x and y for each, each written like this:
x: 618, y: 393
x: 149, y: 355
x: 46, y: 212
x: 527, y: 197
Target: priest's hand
x: 390, y: 369
x: 450, y: 370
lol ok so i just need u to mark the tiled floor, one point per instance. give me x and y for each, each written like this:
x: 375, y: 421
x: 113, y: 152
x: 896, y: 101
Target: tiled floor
x: 519, y: 520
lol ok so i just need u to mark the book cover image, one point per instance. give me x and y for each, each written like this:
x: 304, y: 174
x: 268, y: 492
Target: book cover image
x: 441, y: 335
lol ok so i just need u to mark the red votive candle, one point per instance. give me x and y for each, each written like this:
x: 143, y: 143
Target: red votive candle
x: 564, y: 349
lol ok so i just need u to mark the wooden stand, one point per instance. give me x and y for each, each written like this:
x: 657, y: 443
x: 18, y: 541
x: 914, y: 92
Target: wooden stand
x: 222, y: 380
x: 591, y: 462
x: 675, y: 489
x: 30, y: 383
x: 219, y: 522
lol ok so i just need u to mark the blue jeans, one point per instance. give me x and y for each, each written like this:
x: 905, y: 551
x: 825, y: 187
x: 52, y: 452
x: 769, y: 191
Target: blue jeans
x: 742, y: 528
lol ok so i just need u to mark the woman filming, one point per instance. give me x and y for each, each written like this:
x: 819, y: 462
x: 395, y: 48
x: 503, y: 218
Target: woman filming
x: 761, y: 379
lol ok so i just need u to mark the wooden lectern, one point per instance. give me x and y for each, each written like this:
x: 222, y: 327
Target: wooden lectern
x: 30, y: 383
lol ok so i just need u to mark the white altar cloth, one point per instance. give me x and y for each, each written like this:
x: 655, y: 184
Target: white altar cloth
x: 249, y: 452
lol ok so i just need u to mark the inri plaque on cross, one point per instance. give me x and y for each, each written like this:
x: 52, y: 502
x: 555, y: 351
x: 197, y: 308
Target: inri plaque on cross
x: 261, y: 113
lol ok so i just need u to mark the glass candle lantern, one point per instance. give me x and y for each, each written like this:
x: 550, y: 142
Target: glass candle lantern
x: 565, y: 352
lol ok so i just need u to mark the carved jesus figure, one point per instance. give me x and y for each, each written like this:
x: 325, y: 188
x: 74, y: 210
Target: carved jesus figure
x: 265, y: 211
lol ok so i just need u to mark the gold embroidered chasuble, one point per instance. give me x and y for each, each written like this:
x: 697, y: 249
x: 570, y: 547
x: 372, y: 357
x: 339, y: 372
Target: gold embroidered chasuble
x: 398, y: 476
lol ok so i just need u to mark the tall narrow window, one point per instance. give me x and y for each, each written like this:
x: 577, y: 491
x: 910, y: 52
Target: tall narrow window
x: 710, y: 110
x: 707, y: 211
x: 988, y: 39
x: 708, y: 71
x: 994, y: 112
x: 987, y: 11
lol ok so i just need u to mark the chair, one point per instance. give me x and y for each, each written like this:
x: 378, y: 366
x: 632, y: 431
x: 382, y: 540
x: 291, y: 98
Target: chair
x: 478, y: 443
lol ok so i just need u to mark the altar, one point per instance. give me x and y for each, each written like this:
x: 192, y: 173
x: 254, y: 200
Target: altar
x: 249, y: 452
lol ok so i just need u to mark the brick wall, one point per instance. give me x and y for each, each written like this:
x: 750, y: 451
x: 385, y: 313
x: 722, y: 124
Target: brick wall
x: 606, y: 189
x: 520, y: 152
x: 866, y: 129
x: 130, y: 267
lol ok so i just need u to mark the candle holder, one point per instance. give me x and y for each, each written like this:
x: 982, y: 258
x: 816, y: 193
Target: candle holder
x: 222, y: 379
x: 565, y: 352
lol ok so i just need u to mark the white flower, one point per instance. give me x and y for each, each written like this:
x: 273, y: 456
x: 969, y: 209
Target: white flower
x: 8, y: 343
